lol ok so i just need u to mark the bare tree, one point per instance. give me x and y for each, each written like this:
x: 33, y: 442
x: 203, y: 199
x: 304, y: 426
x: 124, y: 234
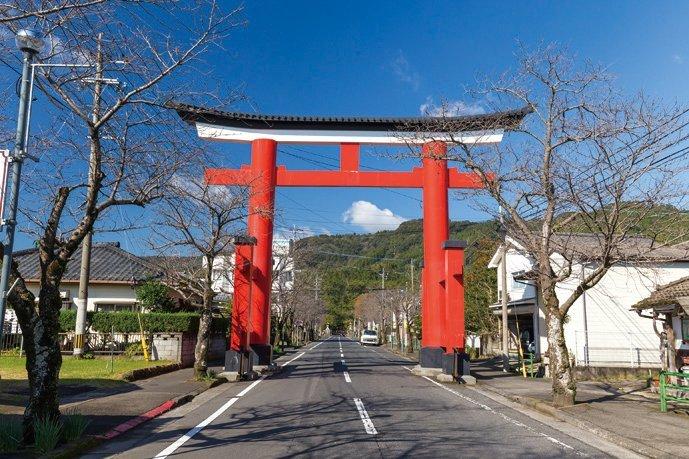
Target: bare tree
x: 107, y: 142
x: 194, y: 232
x: 588, y: 159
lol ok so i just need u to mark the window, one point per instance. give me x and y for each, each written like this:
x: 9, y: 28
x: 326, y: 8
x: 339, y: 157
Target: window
x: 685, y: 328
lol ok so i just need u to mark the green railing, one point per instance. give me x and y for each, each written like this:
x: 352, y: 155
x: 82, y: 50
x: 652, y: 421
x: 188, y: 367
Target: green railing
x: 669, y: 392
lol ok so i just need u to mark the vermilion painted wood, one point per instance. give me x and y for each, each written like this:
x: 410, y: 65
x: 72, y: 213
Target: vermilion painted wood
x: 454, y: 333
x: 442, y: 308
x: 435, y: 232
x: 260, y: 223
x: 240, y: 304
x: 342, y: 178
x: 349, y: 157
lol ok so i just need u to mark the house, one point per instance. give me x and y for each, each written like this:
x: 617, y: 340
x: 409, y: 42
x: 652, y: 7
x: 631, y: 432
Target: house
x: 114, y: 275
x: 601, y: 328
x: 669, y: 305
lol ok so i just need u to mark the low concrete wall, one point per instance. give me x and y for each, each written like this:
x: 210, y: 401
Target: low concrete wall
x: 179, y: 347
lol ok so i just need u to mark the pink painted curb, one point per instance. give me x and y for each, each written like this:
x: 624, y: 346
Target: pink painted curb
x: 147, y: 416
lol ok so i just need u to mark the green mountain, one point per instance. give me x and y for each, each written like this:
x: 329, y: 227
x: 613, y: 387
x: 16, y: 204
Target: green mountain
x: 351, y: 264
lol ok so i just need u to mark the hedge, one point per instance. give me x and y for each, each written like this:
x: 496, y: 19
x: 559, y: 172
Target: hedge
x: 153, y: 322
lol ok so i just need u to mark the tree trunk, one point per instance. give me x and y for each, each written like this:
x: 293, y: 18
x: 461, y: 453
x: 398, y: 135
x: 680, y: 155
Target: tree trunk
x: 43, y: 359
x: 203, y: 339
x: 410, y: 344
x: 564, y: 386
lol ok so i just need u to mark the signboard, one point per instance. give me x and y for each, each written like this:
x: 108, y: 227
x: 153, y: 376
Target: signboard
x: 4, y: 172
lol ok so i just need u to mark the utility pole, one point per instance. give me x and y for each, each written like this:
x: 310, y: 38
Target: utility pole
x: 85, y: 271
x: 82, y: 300
x: 411, y: 268
x: 503, y: 281
x: 382, y: 301
x: 30, y: 43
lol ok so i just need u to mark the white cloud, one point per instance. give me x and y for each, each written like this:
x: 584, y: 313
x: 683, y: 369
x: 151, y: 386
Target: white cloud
x: 371, y: 218
x: 450, y: 108
x: 404, y: 72
x: 677, y: 59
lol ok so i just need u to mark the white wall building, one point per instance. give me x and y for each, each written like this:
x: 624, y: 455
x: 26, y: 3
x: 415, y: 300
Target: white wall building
x: 602, y: 329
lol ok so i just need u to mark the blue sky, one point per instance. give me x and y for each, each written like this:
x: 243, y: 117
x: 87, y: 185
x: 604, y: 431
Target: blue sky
x: 391, y: 57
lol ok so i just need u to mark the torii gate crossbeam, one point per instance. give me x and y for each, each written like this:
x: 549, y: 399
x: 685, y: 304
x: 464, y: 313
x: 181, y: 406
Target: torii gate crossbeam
x: 442, y: 282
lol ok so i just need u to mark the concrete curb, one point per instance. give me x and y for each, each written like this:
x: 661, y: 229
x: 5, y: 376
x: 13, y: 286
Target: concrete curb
x: 562, y: 416
x: 91, y: 442
x: 149, y: 372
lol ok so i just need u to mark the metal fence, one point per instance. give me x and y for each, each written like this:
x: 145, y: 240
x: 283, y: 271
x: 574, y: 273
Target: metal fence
x: 394, y: 344
x: 97, y: 343
x: 616, y: 349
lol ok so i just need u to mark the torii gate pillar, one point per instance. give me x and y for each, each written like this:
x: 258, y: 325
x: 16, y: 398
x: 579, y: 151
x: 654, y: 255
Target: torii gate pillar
x: 435, y: 232
x: 260, y: 225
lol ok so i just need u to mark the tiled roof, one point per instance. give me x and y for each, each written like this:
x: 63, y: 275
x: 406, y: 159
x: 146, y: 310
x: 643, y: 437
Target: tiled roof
x: 108, y: 263
x: 498, y: 120
x: 666, y: 295
x: 589, y: 246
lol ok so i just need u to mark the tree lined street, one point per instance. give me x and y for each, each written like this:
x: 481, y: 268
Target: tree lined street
x: 311, y: 409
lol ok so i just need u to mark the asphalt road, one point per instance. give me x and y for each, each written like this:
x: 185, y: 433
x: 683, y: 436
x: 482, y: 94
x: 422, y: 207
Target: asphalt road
x: 339, y: 399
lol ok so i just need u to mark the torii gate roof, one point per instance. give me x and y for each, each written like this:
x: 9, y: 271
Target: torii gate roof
x: 226, y: 126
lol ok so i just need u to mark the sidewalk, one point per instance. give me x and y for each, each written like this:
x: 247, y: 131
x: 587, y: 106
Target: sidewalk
x: 109, y: 407
x: 618, y: 412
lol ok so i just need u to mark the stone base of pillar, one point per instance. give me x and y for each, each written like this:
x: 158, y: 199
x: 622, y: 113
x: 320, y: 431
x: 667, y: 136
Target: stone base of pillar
x: 431, y: 357
x: 264, y: 353
x: 459, y: 361
x: 236, y: 361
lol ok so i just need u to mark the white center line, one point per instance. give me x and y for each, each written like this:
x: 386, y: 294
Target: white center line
x: 341, y: 354
x: 347, y: 378
x: 368, y: 424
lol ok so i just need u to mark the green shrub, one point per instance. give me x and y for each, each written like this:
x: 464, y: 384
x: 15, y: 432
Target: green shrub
x: 47, y: 434
x: 10, y: 435
x: 153, y: 322
x: 154, y: 296
x: 68, y: 320
x: 75, y: 425
x: 133, y: 349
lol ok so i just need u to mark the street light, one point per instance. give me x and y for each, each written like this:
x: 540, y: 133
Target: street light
x: 30, y: 43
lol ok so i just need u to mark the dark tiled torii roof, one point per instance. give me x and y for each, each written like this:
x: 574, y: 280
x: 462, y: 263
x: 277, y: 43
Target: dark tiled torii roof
x: 109, y: 263
x: 498, y: 120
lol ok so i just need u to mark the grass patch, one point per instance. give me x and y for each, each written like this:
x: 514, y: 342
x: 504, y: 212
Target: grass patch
x: 75, y: 425
x: 10, y: 435
x: 14, y: 367
x: 47, y: 434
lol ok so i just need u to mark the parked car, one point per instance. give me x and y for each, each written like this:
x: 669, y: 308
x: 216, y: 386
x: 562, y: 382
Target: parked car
x: 369, y: 337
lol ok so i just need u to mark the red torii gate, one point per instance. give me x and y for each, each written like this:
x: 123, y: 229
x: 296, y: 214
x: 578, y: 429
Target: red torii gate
x: 442, y: 283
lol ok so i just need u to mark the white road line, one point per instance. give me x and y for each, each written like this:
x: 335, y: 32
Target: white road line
x: 251, y: 386
x: 341, y: 354
x: 347, y: 378
x: 368, y: 424
x: 187, y: 436
x: 342, y: 361
x: 502, y: 415
x: 290, y: 361
x: 321, y: 342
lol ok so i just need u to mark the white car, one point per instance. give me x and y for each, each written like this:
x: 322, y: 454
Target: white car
x: 369, y: 337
